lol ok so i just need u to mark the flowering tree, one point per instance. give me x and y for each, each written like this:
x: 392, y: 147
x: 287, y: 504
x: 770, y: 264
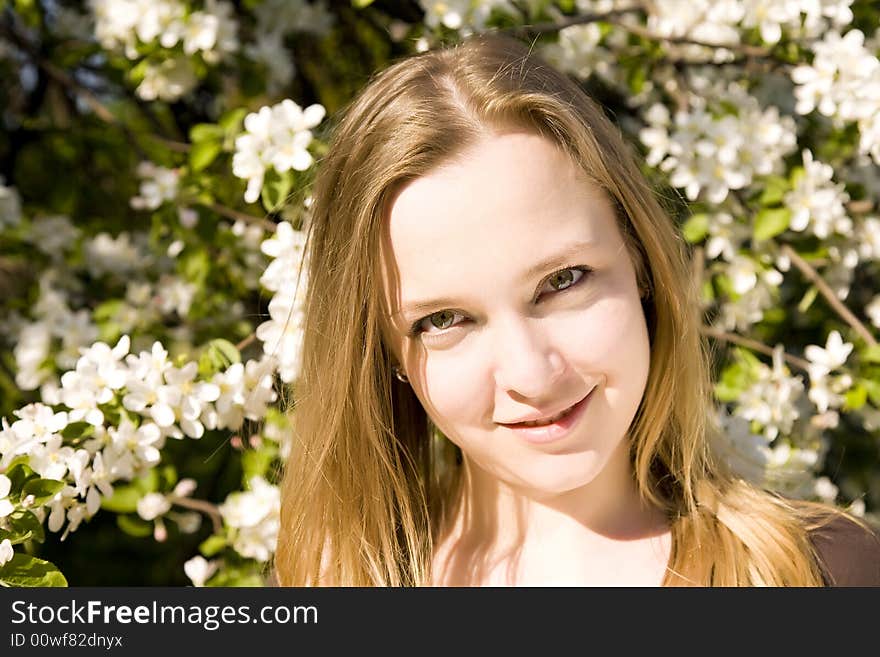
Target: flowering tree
x: 157, y: 161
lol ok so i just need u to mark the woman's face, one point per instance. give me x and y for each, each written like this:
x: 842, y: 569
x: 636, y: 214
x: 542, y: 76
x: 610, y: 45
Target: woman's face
x: 511, y: 296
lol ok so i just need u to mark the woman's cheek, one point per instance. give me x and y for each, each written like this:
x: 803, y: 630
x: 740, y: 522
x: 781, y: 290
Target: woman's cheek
x: 454, y: 388
x: 598, y: 333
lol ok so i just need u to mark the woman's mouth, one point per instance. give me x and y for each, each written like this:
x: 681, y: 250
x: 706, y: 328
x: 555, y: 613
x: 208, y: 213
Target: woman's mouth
x: 546, y: 431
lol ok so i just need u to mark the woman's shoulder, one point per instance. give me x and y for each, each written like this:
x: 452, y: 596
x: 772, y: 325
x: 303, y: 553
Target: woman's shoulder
x: 848, y: 552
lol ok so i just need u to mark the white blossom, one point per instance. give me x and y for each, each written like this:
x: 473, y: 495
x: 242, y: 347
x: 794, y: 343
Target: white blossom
x: 53, y: 234
x: 872, y: 310
x: 158, y: 185
x: 10, y: 206
x: 826, y: 391
x: 254, y: 517
x: 578, y: 51
x: 282, y: 335
x: 843, y: 83
x: 269, y: 50
x: 867, y: 237
x: 37, y: 424
x: 463, y: 15
x: 817, y: 202
x: 726, y: 236
x: 709, y: 21
x: 833, y: 356
x: 286, y: 248
x: 186, y: 397
x: 142, y: 442
x: 174, y: 295
x: 199, y: 570
x: 246, y: 390
x: 275, y: 137
x: 770, y: 401
x: 168, y: 80
x: 6, y: 551
x: 120, y: 255
x: 288, y: 16
x: 6, y: 506
x: 709, y: 151
x: 153, y: 505
x: 30, y: 353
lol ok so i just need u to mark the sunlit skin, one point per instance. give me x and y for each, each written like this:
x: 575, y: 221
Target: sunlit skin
x: 505, y: 343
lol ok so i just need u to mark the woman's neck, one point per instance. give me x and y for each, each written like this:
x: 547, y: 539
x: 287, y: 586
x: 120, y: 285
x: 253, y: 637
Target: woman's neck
x: 600, y: 533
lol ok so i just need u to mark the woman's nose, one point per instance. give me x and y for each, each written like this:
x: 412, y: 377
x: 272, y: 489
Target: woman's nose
x: 527, y: 361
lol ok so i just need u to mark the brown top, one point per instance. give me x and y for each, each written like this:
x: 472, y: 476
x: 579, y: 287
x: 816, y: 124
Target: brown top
x: 848, y: 554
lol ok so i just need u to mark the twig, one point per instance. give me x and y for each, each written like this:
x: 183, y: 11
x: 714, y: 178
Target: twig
x: 248, y: 340
x: 231, y: 213
x: 202, y: 506
x: 698, y: 265
x: 555, y: 26
x: 645, y: 33
x: 861, y: 206
x: 84, y: 93
x: 615, y: 18
x: 754, y: 345
x: 811, y: 274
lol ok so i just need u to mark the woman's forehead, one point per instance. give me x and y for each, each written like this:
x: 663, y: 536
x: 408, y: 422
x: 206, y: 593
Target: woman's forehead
x: 506, y: 204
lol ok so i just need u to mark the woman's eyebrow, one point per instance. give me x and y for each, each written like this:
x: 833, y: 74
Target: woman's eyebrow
x: 559, y: 259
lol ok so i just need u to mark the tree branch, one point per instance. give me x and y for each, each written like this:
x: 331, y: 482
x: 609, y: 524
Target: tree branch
x: 231, y: 213
x: 813, y: 276
x: 754, y: 345
x: 245, y: 342
x: 209, y: 509
x: 523, y: 31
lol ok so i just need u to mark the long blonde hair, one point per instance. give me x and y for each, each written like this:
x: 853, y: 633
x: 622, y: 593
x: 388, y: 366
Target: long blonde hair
x: 368, y: 482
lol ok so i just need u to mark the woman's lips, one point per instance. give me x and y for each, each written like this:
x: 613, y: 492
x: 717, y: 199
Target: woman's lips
x: 557, y: 430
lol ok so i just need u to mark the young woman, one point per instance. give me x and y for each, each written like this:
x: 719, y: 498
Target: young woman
x: 503, y: 379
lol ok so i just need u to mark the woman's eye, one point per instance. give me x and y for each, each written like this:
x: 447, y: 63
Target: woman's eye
x: 437, y: 323
x: 565, y: 278
x: 440, y: 321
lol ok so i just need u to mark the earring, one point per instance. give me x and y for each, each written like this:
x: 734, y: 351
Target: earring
x: 399, y: 374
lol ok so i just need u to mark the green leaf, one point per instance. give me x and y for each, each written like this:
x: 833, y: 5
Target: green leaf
x: 873, y: 388
x: 696, y: 228
x: 202, y: 132
x: 25, y: 570
x: 360, y: 4
x: 238, y: 577
x: 21, y: 526
x: 212, y: 545
x: 19, y: 475
x: 203, y: 153
x: 708, y: 291
x: 123, y: 500
x: 276, y: 189
x: 774, y: 190
x: 43, y: 490
x: 770, y: 222
x: 76, y: 430
x: 224, y: 352
x: 808, y: 299
x: 636, y: 77
x: 255, y: 463
x: 195, y: 265
x: 871, y: 354
x: 134, y: 526
x: 218, y: 355
x: 855, y: 397
x: 231, y: 121
x: 125, y: 497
